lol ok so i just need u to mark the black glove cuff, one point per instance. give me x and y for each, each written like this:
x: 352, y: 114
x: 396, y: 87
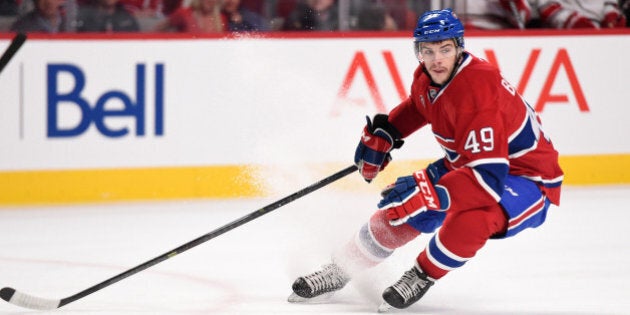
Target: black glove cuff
x: 382, y: 121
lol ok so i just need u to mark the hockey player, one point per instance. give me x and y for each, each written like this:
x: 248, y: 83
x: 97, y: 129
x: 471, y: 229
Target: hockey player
x: 498, y: 176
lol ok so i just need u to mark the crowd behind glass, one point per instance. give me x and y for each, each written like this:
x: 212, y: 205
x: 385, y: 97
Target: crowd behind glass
x: 219, y: 16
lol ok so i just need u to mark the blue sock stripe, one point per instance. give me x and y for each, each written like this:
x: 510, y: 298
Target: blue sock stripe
x: 442, y: 257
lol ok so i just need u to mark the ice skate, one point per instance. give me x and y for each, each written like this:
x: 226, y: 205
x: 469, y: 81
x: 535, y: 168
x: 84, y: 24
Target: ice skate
x: 409, y: 289
x: 318, y: 286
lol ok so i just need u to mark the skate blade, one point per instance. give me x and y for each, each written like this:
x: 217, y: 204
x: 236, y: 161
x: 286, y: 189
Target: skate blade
x: 294, y: 298
x: 384, y: 307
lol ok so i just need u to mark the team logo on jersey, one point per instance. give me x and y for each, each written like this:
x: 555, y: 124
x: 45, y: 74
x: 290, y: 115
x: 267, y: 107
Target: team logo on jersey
x: 432, y: 93
x: 511, y: 191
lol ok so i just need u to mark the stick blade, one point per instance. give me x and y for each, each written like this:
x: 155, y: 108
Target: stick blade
x: 28, y: 301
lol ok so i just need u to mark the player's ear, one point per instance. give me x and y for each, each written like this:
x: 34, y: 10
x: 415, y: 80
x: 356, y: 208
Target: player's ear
x: 460, y: 52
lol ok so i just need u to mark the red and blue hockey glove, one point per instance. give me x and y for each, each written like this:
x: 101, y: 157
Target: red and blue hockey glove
x: 377, y: 140
x: 415, y: 199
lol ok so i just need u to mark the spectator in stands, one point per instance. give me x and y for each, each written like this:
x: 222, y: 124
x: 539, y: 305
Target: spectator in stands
x: 401, y: 12
x: 202, y: 16
x: 569, y: 14
x: 8, y: 7
x: 8, y: 14
x: 374, y: 17
x: 241, y: 19
x: 625, y: 8
x: 69, y: 10
x: 170, y: 6
x: 46, y: 17
x: 278, y: 12
x: 493, y: 14
x: 106, y: 16
x: 313, y: 15
x: 144, y: 8
x: 149, y: 13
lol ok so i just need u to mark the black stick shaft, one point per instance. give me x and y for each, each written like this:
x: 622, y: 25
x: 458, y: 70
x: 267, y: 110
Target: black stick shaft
x: 16, y: 43
x: 228, y: 227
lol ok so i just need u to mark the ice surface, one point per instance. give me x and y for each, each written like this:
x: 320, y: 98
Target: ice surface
x: 576, y: 263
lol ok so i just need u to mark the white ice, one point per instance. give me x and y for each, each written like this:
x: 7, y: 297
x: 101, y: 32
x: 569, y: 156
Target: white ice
x: 576, y: 263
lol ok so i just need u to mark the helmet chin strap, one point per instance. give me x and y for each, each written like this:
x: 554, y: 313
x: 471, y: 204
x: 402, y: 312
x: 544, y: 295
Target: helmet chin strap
x: 458, y: 62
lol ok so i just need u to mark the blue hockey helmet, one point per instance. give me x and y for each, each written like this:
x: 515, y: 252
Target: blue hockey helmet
x: 439, y: 25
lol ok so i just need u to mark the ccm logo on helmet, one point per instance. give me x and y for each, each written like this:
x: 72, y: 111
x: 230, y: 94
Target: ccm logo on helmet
x: 431, y: 31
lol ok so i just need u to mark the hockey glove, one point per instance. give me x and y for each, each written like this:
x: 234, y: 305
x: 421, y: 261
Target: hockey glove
x: 413, y: 196
x: 377, y: 140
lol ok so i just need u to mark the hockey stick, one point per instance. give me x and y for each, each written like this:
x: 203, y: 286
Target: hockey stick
x: 33, y: 302
x: 16, y: 43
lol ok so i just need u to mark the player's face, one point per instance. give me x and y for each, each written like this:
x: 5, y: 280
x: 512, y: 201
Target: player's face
x: 439, y: 59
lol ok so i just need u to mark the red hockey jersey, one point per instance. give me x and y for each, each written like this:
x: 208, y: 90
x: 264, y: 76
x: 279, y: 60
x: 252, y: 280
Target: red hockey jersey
x: 486, y: 130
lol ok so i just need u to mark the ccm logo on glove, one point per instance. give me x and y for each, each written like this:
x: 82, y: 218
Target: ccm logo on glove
x: 411, y: 196
x: 428, y: 192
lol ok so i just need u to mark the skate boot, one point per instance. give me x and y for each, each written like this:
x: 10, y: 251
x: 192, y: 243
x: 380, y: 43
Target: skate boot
x: 319, y: 285
x: 409, y: 289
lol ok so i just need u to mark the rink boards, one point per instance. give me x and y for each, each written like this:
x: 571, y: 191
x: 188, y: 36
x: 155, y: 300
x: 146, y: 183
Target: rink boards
x: 141, y: 117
